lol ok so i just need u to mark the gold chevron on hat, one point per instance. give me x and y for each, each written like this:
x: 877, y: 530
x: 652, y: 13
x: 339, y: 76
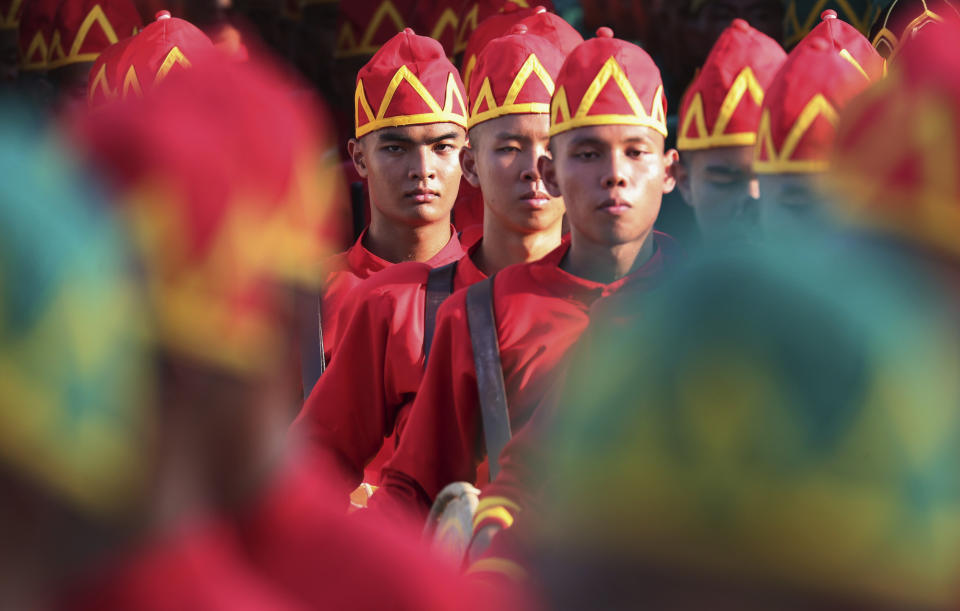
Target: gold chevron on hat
x: 561, y: 120
x: 11, y: 20
x: 746, y: 82
x: 347, y: 43
x: 96, y: 15
x: 531, y: 67
x: 437, y: 114
x: 782, y: 161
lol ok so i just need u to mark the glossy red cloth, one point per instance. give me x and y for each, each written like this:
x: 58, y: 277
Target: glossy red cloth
x: 365, y: 394
x: 296, y: 539
x: 347, y: 270
x: 201, y: 567
x: 541, y: 311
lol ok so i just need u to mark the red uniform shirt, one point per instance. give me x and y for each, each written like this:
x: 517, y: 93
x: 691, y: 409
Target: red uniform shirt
x: 541, y: 311
x: 363, y: 397
x: 348, y: 269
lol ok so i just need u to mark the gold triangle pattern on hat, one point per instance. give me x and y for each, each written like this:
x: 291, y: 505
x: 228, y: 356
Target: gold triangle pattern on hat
x: 782, y: 161
x: 11, y: 20
x: 531, y: 67
x: 886, y: 38
x: 746, y: 82
x: 99, y: 82
x: 561, y: 120
x: 347, y: 43
x: 38, y: 53
x: 131, y: 84
x: 174, y: 57
x: 95, y: 16
x: 378, y: 120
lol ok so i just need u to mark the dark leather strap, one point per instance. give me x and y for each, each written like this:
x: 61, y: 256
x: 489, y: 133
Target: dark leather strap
x: 486, y: 358
x: 357, y: 208
x: 312, y: 360
x: 439, y: 287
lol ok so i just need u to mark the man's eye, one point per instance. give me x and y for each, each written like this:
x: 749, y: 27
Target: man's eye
x: 508, y: 149
x: 393, y: 148
x: 586, y: 155
x: 636, y: 153
x: 726, y: 181
x: 443, y: 147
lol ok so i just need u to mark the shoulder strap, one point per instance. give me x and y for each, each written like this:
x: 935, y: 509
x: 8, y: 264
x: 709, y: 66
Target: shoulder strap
x: 312, y: 360
x: 486, y: 357
x: 439, y: 287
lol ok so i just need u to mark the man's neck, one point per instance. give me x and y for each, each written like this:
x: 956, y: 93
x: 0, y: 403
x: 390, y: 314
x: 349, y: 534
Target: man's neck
x: 502, y: 247
x: 606, y: 264
x: 395, y: 242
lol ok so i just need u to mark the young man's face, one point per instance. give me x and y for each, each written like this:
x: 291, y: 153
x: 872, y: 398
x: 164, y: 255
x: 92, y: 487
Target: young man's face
x: 612, y: 179
x: 790, y: 203
x: 413, y: 172
x: 502, y: 160
x: 720, y: 186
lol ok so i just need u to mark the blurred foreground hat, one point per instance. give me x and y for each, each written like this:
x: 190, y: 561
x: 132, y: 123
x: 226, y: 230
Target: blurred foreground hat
x: 74, y: 397
x: 607, y: 81
x: 722, y: 106
x: 221, y: 174
x: 515, y: 75
x: 84, y: 28
x: 821, y: 75
x: 905, y: 16
x: 770, y: 426
x: 409, y: 81
x: 897, y: 161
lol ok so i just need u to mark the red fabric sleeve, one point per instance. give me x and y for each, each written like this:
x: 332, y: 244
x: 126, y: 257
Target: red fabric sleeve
x: 439, y: 444
x: 379, y: 362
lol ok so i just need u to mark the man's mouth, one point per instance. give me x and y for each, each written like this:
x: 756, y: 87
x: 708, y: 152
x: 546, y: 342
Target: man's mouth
x: 614, y: 206
x: 422, y: 196
x: 536, y: 199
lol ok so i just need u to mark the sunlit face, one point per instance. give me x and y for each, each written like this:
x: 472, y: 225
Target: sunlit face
x: 790, y: 203
x: 612, y: 178
x: 502, y: 159
x: 721, y: 187
x: 413, y: 172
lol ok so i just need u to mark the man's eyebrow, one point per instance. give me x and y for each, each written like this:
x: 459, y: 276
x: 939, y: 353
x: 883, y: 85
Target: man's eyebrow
x: 587, y: 141
x: 510, y: 136
x: 448, y: 136
x: 395, y: 137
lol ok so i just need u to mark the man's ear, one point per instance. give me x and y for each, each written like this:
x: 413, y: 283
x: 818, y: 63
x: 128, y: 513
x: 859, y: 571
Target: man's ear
x: 548, y: 172
x: 671, y: 162
x: 355, y: 150
x: 681, y: 174
x: 468, y: 163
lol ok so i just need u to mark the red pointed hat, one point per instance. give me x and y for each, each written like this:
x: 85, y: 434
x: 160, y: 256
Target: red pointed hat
x: 897, y: 155
x: 904, y: 16
x: 476, y: 12
x: 722, y: 106
x: 363, y: 26
x: 36, y: 29
x: 607, y: 81
x: 167, y: 45
x: 10, y: 13
x: 515, y: 75
x: 220, y: 174
x: 821, y: 75
x: 538, y: 21
x: 105, y: 76
x: 84, y: 28
x: 409, y: 81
